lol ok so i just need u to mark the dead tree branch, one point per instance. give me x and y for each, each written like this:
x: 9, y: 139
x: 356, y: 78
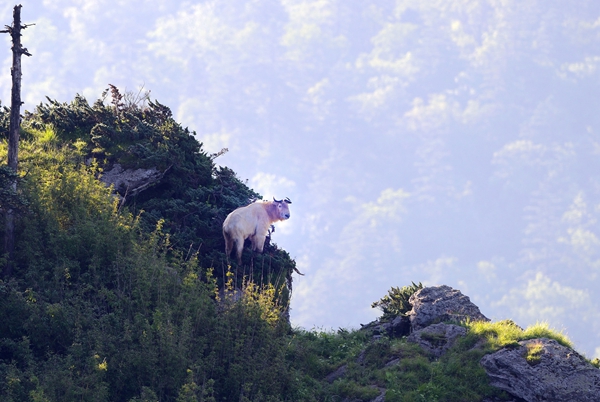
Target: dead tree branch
x: 14, y: 128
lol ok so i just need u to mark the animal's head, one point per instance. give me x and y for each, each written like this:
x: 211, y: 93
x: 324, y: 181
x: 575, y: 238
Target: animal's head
x: 283, y: 209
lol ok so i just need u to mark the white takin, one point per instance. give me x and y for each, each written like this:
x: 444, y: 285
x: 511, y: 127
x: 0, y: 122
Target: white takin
x: 252, y: 222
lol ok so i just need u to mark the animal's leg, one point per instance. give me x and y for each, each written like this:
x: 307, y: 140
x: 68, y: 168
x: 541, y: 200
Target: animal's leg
x: 228, y: 245
x: 239, y: 246
x: 260, y: 243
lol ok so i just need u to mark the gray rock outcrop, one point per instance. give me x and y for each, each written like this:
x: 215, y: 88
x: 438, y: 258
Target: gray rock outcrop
x: 553, y: 373
x: 129, y: 182
x: 532, y: 371
x: 436, y: 339
x: 436, y: 304
x: 339, y: 373
x: 397, y: 328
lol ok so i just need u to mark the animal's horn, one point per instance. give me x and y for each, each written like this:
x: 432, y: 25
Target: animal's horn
x: 276, y: 200
x: 287, y: 200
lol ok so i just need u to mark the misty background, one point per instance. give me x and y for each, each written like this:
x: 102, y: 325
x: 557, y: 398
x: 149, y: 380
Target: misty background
x: 443, y: 141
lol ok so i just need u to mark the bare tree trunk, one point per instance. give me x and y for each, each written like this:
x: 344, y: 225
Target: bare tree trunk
x: 13, y: 133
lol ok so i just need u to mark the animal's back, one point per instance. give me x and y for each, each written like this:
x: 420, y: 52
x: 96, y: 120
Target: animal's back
x: 243, y: 220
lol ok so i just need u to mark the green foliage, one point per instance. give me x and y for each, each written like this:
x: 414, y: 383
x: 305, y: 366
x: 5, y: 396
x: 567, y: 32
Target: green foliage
x: 400, y: 368
x: 395, y: 303
x: 353, y: 391
x: 543, y: 330
x: 4, y: 121
x: 320, y: 352
x: 9, y: 198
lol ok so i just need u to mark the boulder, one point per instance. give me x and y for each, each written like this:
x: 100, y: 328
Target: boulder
x: 381, y: 396
x: 436, y: 339
x: 397, y: 328
x: 435, y: 304
x: 543, y: 370
x: 338, y: 373
x: 129, y: 182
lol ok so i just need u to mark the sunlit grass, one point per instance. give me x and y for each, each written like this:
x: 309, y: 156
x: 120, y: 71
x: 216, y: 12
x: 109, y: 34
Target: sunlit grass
x: 496, y: 334
x: 543, y: 330
x: 534, y: 352
x: 506, y: 333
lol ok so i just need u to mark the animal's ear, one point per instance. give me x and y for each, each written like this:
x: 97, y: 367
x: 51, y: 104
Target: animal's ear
x: 287, y: 200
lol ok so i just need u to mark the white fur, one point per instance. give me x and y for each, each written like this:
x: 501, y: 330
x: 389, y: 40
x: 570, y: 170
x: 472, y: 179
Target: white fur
x: 252, y: 222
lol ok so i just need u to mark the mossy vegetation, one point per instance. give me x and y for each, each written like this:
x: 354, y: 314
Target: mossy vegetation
x: 133, y: 301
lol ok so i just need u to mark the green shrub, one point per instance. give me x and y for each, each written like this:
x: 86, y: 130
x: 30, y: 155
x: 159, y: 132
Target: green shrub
x: 352, y: 391
x: 395, y: 303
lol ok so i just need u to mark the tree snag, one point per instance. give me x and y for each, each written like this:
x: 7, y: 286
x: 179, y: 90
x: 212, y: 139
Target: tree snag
x: 14, y: 128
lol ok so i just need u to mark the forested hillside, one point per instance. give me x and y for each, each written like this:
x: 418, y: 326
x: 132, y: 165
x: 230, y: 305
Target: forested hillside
x: 114, y: 297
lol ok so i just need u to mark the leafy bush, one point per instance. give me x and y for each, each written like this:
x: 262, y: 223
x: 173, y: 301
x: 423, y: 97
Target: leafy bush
x: 395, y: 303
x: 352, y: 391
